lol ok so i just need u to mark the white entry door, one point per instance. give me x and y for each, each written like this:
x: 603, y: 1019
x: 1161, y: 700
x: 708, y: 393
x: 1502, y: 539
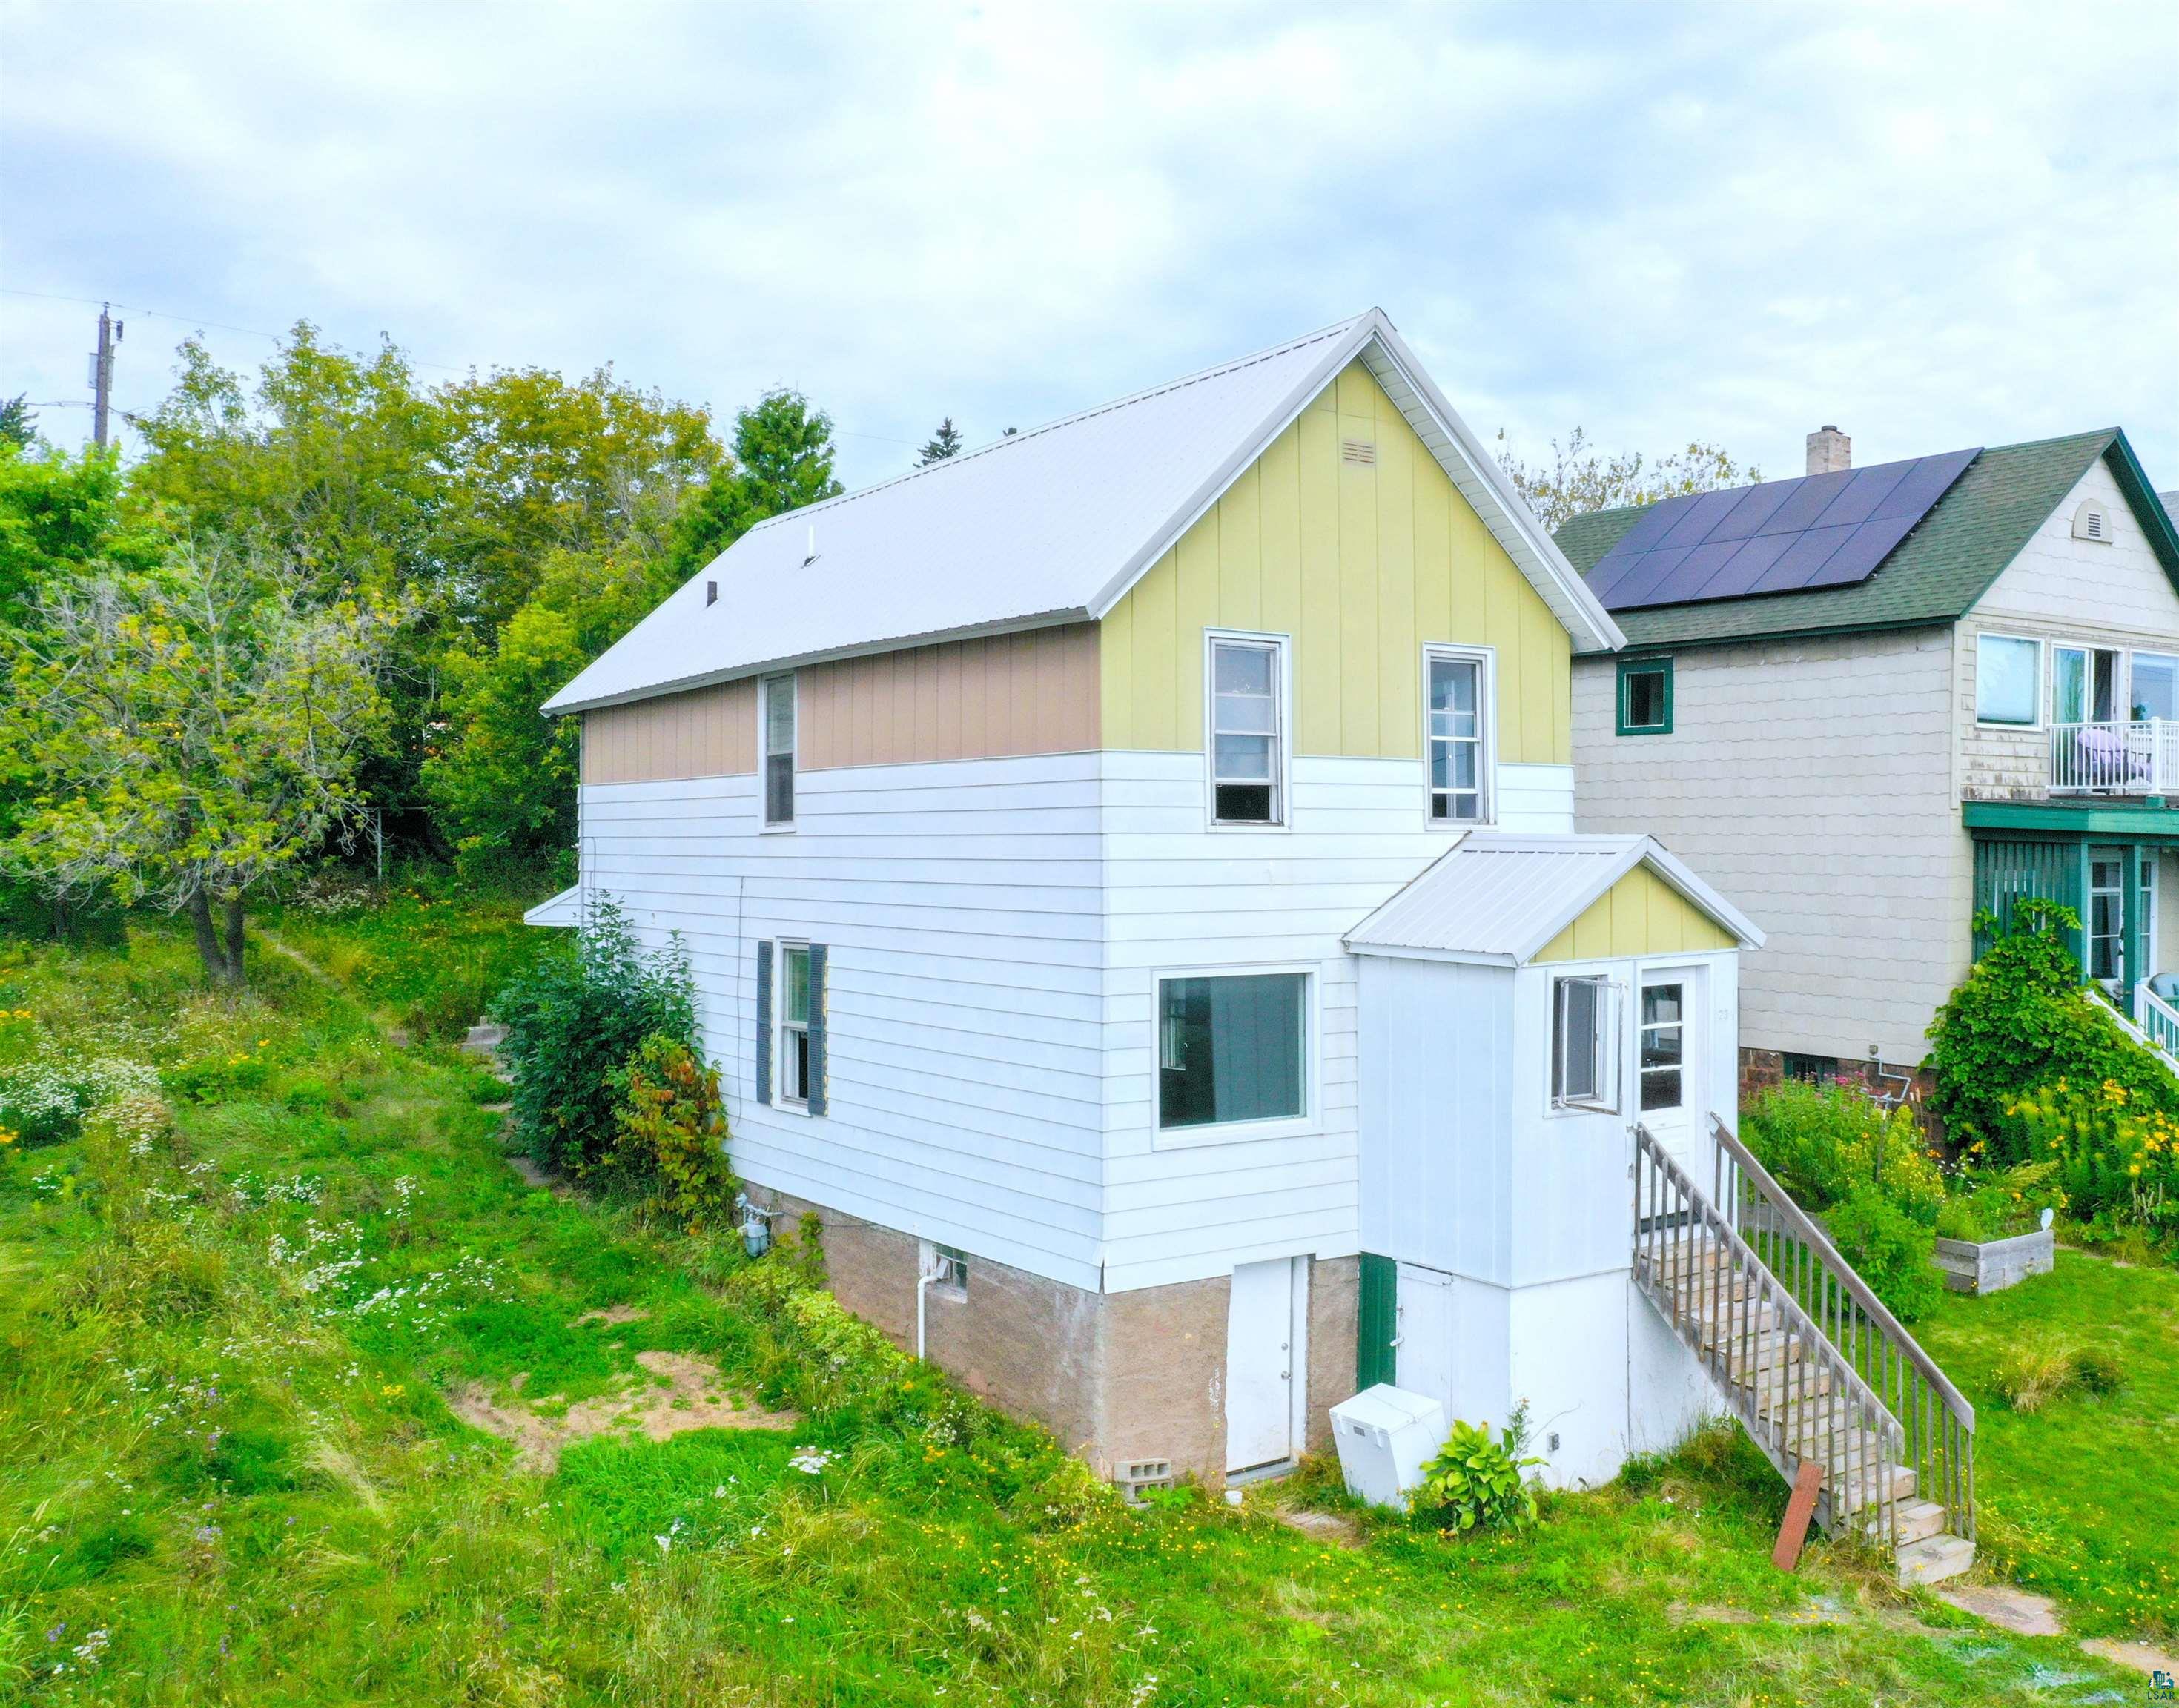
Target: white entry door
x: 1669, y: 1077
x: 1422, y: 1347
x: 1262, y: 1365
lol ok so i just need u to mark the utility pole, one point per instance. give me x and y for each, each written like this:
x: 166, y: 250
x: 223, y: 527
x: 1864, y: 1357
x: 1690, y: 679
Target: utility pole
x: 101, y: 372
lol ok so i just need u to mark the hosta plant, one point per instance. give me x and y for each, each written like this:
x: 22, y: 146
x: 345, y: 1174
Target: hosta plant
x: 1475, y: 1482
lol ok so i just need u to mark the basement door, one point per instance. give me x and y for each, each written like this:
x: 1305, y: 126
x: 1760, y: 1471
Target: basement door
x: 1263, y: 1356
x: 1422, y: 1344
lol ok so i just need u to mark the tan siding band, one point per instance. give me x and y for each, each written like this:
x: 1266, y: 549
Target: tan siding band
x: 711, y: 732
x: 1034, y: 692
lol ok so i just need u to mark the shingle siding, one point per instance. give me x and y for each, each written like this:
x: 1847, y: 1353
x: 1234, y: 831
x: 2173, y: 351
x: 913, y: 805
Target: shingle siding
x: 2060, y: 589
x: 1811, y: 782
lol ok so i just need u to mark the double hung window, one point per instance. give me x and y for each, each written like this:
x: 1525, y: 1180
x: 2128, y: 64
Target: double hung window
x: 794, y: 1022
x: 1456, y: 736
x: 1247, y: 738
x: 778, y: 720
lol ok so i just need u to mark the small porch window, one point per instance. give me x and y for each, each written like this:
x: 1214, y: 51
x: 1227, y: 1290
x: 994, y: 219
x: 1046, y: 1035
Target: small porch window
x: 1584, y: 1067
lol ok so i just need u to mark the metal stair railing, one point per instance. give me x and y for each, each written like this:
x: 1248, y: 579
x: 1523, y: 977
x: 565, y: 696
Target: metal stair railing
x: 1936, y: 1421
x: 1794, y: 1392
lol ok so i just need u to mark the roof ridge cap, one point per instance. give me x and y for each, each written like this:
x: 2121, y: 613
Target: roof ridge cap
x: 1216, y: 370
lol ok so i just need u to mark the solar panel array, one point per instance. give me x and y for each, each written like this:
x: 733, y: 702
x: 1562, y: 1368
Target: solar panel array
x: 1823, y: 531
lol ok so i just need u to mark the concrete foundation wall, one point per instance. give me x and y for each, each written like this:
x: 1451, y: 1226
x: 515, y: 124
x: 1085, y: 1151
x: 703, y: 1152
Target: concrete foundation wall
x: 1116, y: 1377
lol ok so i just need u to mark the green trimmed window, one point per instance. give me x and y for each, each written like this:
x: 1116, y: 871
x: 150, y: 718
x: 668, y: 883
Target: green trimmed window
x: 1645, y: 696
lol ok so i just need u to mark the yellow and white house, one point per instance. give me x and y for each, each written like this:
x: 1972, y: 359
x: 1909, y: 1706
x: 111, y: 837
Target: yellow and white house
x: 1130, y: 877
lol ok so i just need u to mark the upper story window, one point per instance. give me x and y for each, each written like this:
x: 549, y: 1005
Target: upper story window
x: 1458, y: 735
x: 2155, y: 686
x: 778, y: 722
x: 2008, y: 680
x: 1233, y: 1047
x: 1247, y: 736
x: 1645, y: 696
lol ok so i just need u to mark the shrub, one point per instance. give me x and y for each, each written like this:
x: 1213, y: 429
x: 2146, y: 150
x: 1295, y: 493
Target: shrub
x: 1475, y: 1483
x: 2019, y: 1020
x: 1982, y: 1204
x: 573, y: 1020
x: 669, y: 1142
x: 2115, y: 1155
x: 1890, y: 1249
x: 2030, y: 1377
x: 1825, y: 1143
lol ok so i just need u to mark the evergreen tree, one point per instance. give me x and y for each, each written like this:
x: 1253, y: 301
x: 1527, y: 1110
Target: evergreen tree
x: 944, y: 443
x: 783, y: 460
x: 19, y: 421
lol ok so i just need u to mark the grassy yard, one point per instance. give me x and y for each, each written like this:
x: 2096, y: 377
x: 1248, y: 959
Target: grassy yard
x: 229, y: 1472
x: 2078, y: 1498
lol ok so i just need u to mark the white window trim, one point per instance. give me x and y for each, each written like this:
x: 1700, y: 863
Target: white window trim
x: 1649, y: 978
x: 1283, y: 646
x: 1487, y: 705
x: 1613, y: 976
x: 763, y: 687
x: 780, y: 1100
x: 2041, y: 697
x: 1308, y: 1123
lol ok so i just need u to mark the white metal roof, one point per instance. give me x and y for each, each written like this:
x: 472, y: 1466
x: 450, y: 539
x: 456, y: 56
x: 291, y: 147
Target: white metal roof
x: 1501, y: 898
x: 1052, y: 525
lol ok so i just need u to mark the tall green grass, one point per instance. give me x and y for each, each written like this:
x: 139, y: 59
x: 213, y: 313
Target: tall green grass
x: 228, y: 1475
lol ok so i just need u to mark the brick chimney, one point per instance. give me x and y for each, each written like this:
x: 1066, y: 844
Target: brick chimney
x: 1829, y: 449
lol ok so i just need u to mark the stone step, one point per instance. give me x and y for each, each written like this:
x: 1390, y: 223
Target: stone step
x: 1933, y: 1559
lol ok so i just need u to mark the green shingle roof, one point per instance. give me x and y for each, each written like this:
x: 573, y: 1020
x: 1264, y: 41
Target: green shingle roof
x: 1935, y: 574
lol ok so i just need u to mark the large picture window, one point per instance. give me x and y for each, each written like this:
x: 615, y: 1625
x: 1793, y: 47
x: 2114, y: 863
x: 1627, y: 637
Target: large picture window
x: 779, y: 750
x: 1246, y: 760
x: 1458, y: 735
x: 1233, y: 1047
x: 2155, y: 686
x: 2008, y: 679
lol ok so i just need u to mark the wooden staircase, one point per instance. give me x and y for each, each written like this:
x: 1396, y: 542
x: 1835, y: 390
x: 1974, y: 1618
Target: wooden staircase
x: 1810, y: 1360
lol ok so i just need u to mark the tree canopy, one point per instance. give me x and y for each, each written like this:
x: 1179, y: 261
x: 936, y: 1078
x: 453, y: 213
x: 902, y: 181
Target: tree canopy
x: 1579, y: 480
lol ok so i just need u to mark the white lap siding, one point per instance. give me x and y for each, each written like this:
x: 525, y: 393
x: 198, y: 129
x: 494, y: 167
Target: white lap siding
x: 1181, y: 897
x: 959, y: 904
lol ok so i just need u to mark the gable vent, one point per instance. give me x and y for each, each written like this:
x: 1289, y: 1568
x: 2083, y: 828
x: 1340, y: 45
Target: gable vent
x: 1361, y: 452
x: 2091, y: 522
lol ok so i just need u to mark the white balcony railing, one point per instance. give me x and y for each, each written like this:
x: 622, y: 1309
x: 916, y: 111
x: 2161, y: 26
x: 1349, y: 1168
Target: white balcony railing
x: 2137, y: 758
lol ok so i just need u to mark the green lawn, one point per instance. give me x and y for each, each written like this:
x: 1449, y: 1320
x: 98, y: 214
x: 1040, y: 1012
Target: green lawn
x: 2081, y: 1499
x: 228, y: 1472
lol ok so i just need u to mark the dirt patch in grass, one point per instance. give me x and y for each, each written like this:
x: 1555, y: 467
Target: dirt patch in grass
x: 2138, y: 1656
x: 1335, y: 1527
x: 614, y: 1315
x: 2020, y: 1611
x: 684, y: 1394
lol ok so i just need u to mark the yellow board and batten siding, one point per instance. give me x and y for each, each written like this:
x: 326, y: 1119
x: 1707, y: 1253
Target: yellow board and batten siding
x: 1363, y: 564
x: 1641, y: 914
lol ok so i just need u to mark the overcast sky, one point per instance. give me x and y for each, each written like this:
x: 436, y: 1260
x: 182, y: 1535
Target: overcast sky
x: 1935, y: 227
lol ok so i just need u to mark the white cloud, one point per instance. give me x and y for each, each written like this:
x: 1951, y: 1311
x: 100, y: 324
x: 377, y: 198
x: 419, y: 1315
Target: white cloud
x: 1939, y: 226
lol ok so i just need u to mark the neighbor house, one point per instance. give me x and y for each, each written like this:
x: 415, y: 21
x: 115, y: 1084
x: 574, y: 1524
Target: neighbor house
x: 1130, y: 876
x: 1877, y: 703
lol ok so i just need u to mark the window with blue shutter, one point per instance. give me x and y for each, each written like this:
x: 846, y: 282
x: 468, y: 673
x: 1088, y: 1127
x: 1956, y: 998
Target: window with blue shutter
x: 764, y: 1023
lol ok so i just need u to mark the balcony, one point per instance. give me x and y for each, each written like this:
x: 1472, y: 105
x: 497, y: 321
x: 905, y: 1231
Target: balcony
x: 2115, y: 759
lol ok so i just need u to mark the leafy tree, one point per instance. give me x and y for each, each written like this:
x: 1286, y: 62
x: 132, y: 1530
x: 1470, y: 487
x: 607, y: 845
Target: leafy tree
x: 783, y: 460
x: 60, y: 515
x: 1579, y: 480
x: 332, y: 465
x: 944, y: 442
x: 500, y: 778
x: 536, y: 464
x: 19, y: 421
x: 194, y: 731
